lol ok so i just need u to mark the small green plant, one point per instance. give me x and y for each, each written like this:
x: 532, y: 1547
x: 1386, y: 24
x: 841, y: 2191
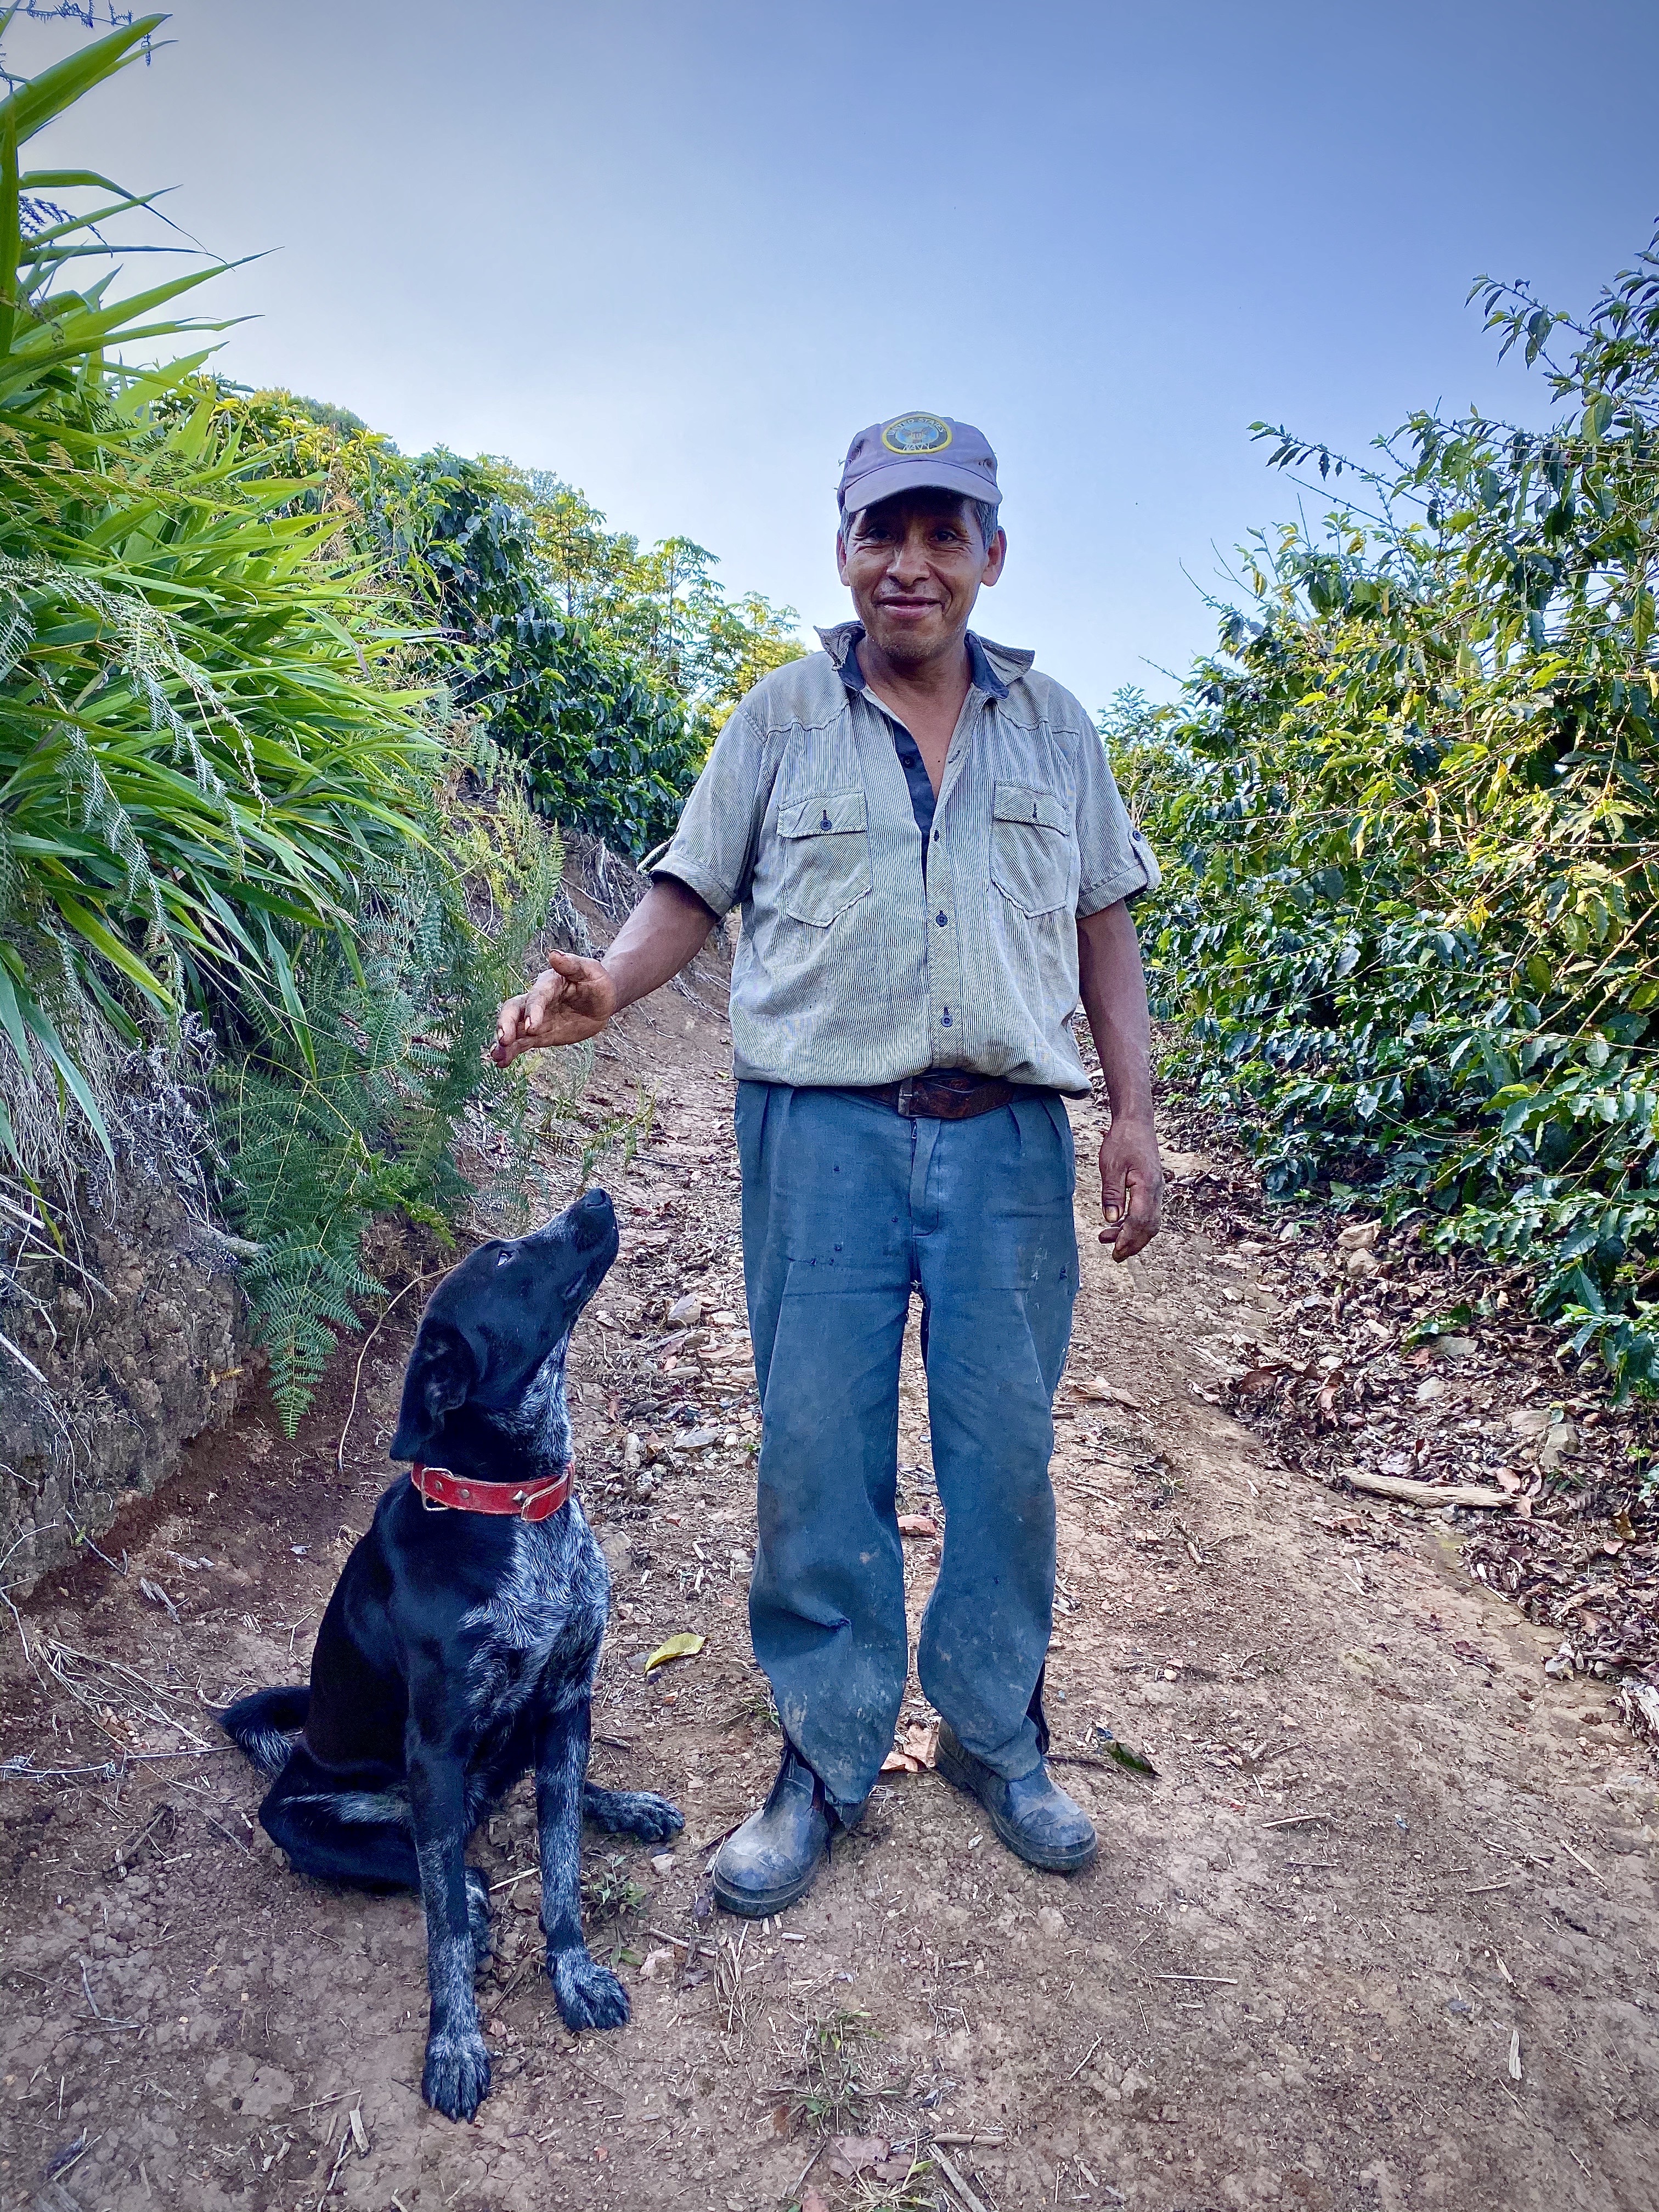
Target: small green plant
x: 609, y: 1892
x: 834, y: 2092
x: 755, y: 1709
x: 919, y: 2192
x: 1430, y: 1330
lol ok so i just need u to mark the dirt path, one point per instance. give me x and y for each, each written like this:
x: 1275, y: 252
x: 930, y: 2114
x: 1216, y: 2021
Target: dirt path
x: 1380, y: 1846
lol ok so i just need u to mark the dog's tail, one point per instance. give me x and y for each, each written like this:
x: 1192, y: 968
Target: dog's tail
x: 266, y: 1725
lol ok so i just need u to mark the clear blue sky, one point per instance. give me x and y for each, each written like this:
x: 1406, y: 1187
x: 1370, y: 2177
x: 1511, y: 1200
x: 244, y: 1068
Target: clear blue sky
x: 679, y: 253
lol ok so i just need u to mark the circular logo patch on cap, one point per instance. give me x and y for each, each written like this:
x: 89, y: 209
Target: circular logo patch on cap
x: 917, y: 434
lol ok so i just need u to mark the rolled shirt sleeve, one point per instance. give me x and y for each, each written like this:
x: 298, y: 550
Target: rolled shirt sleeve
x: 1117, y: 862
x: 713, y: 851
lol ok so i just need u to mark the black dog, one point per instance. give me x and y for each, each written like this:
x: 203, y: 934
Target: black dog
x: 458, y: 1651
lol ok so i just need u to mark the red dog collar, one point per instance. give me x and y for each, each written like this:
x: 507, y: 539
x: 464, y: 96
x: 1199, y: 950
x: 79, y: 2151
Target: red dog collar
x: 440, y: 1488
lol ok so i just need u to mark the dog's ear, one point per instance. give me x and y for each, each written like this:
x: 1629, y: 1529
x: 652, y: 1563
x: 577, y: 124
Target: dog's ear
x: 442, y: 1370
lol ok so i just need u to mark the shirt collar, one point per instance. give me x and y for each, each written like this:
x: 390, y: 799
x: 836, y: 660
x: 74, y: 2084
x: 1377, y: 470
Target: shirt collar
x: 986, y: 660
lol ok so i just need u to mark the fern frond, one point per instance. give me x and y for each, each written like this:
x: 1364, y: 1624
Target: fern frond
x: 398, y: 1020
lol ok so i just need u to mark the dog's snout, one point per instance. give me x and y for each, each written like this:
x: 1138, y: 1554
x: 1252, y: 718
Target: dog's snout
x: 592, y: 1218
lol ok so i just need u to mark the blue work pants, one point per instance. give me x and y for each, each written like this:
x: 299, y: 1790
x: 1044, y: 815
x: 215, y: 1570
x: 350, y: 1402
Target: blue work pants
x: 849, y: 1206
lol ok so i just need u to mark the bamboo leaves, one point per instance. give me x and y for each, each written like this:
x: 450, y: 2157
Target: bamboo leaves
x: 198, y: 750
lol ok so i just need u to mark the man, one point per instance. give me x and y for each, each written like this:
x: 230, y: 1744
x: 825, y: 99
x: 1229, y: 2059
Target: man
x: 933, y: 865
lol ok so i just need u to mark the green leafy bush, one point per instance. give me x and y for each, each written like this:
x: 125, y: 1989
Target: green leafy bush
x: 196, y: 758
x: 662, y: 605
x: 606, y: 671
x: 605, y: 748
x: 1411, y: 812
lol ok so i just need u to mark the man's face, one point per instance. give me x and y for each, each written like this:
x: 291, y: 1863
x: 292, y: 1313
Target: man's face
x: 914, y: 564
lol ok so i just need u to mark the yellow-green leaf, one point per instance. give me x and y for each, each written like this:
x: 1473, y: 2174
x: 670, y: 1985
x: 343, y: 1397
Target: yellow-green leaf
x: 677, y: 1647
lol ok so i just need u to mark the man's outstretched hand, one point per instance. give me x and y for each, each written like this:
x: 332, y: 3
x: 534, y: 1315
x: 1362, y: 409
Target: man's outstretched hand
x: 570, y: 999
x: 1131, y: 1187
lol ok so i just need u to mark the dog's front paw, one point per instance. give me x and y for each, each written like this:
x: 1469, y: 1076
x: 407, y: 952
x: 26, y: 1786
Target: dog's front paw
x: 654, y: 1819
x: 456, y: 2078
x: 639, y: 1813
x: 589, y: 1995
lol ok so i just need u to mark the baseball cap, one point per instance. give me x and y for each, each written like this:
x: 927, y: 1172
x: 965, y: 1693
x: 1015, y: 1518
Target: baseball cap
x: 908, y: 451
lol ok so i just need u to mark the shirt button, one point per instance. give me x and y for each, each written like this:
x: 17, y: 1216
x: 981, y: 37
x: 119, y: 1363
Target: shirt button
x: 941, y: 917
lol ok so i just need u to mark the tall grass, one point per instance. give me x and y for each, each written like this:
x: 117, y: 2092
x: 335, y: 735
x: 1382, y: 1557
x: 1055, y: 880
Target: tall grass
x: 196, y: 757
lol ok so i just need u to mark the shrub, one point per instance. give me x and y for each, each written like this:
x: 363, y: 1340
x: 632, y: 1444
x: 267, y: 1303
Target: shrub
x: 1411, y: 810
x: 605, y: 748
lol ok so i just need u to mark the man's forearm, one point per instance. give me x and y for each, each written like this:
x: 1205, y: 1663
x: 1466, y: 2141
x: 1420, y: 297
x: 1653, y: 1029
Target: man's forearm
x: 667, y: 929
x: 1113, y: 986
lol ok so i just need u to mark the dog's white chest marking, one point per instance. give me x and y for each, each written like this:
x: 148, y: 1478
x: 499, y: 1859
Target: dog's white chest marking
x: 541, y: 1418
x: 531, y: 1603
x: 550, y: 1599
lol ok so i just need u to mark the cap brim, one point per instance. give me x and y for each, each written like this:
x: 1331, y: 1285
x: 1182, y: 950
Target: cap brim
x: 914, y: 476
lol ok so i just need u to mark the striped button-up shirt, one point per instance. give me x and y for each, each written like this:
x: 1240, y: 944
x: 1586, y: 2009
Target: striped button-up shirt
x: 856, y: 965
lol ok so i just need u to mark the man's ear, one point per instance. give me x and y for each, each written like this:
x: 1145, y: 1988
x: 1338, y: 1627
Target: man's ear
x: 442, y: 1370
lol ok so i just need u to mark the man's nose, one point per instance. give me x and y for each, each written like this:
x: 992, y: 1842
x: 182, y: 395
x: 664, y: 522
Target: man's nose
x: 910, y: 561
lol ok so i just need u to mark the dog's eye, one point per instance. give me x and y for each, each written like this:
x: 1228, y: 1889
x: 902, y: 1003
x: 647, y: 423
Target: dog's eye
x: 505, y: 1258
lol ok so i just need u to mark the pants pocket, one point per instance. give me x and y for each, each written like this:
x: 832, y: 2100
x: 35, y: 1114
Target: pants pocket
x: 1055, y: 1107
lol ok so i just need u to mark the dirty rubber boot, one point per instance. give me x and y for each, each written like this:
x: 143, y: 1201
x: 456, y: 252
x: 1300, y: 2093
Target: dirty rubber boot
x: 1034, y: 1816
x: 773, y: 1858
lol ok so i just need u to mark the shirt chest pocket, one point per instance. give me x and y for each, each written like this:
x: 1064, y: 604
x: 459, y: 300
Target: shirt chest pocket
x: 825, y: 841
x: 1031, y: 848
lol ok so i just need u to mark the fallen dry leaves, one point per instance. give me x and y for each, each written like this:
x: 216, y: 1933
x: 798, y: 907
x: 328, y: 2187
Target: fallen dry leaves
x: 852, y: 2155
x: 1098, y: 1391
x: 916, y: 1747
x: 1373, y: 1362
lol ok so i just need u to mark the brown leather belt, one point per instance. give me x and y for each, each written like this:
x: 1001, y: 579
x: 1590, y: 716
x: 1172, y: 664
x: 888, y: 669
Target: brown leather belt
x: 949, y: 1095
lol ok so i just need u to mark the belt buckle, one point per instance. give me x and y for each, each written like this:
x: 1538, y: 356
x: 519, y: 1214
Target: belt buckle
x: 904, y: 1090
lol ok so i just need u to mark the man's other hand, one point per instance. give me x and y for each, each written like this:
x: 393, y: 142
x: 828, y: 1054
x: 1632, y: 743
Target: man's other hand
x: 570, y: 999
x: 1131, y: 1187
